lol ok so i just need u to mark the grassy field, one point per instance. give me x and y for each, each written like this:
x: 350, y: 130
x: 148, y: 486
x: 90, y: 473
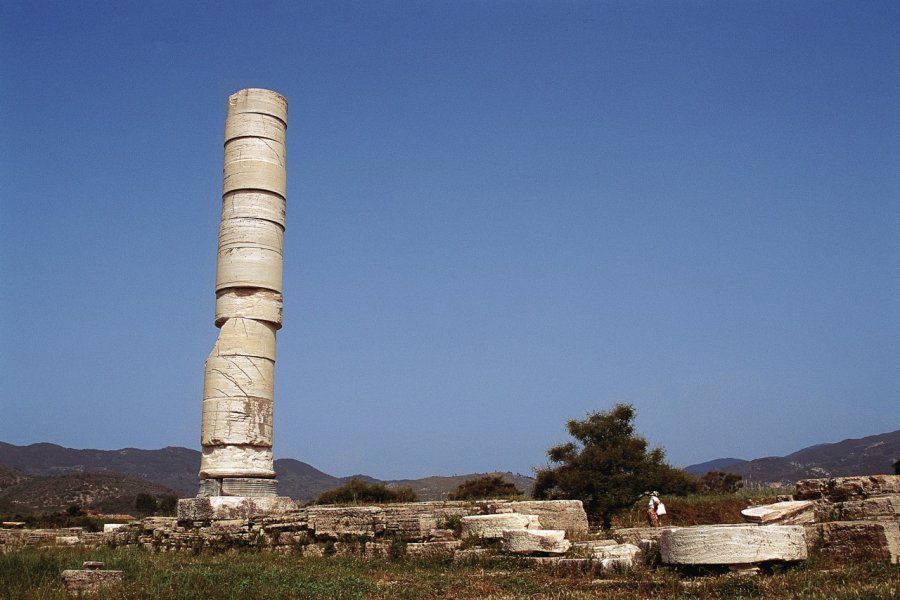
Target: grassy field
x: 35, y: 574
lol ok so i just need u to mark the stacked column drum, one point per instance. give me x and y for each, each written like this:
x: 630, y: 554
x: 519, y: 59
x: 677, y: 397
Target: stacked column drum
x: 238, y: 391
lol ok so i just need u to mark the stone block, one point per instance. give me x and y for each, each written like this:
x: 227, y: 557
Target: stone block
x: 783, y: 513
x: 554, y: 514
x: 535, y: 541
x: 333, y: 522
x: 840, y: 489
x: 378, y: 549
x: 717, y: 545
x: 867, y: 509
x: 635, y: 535
x: 213, y: 508
x: 432, y: 550
x: 877, y: 541
x: 86, y: 582
x: 493, y: 526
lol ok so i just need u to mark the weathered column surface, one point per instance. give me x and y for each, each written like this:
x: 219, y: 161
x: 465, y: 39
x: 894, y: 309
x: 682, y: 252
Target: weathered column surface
x: 238, y: 390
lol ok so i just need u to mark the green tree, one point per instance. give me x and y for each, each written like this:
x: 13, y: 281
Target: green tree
x: 719, y: 482
x: 357, y: 491
x: 145, y: 504
x: 608, y: 467
x: 167, y: 506
x: 897, y: 467
x: 486, y: 486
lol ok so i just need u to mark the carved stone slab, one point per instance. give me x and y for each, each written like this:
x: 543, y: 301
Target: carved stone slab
x: 717, y: 545
x: 787, y: 513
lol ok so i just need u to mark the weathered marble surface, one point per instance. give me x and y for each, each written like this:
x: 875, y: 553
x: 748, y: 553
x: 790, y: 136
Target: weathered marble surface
x: 717, y: 545
x: 785, y: 513
x: 535, y: 541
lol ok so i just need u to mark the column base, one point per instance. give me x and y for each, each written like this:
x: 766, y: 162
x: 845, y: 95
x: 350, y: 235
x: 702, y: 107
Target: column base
x: 250, y: 487
x: 217, y: 508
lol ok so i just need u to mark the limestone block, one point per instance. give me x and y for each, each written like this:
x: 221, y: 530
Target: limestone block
x: 618, y: 556
x: 555, y: 514
x: 838, y: 489
x: 858, y: 540
x: 432, y: 550
x: 237, y: 421
x: 88, y: 582
x: 256, y: 204
x: 877, y: 508
x: 239, y: 377
x: 717, y: 545
x: 246, y: 337
x: 535, y: 541
x: 236, y: 461
x: 785, y: 513
x: 217, y: 508
x: 492, y: 526
x: 251, y: 303
x: 249, y: 268
x: 251, y: 233
x: 377, y: 550
x: 111, y: 527
x: 635, y: 535
x: 334, y: 522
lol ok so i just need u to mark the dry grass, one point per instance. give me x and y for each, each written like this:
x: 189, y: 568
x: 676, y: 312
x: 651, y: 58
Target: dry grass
x: 34, y: 574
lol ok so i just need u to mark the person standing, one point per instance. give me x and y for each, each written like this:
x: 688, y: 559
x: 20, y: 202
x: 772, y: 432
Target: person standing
x: 655, y: 508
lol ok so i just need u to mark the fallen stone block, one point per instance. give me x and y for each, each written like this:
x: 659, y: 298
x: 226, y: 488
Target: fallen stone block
x: 782, y: 513
x: 93, y: 579
x: 535, y: 541
x: 839, y: 489
x: 378, y: 550
x: 719, y: 545
x: 877, y: 541
x: 619, y: 556
x: 554, y: 514
x: 473, y: 554
x: 560, y: 565
x: 634, y: 535
x: 492, y: 526
x: 432, y: 550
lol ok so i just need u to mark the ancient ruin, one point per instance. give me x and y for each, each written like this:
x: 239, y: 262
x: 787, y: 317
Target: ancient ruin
x: 237, y: 476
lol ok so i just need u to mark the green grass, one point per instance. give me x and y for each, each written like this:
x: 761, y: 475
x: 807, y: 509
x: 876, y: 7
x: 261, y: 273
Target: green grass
x: 34, y: 573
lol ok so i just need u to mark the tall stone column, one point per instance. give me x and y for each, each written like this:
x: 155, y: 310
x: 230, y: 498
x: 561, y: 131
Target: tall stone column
x: 236, y: 468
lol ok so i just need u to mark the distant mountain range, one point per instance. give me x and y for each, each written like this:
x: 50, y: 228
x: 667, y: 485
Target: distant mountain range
x: 55, y: 470
x: 870, y: 455
x: 49, y: 477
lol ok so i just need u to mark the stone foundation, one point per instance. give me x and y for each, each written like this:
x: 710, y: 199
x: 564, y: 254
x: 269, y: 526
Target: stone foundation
x: 216, y: 508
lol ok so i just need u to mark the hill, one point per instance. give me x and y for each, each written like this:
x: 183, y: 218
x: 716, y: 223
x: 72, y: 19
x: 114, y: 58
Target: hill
x: 102, y: 491
x: 871, y: 455
x: 176, y: 469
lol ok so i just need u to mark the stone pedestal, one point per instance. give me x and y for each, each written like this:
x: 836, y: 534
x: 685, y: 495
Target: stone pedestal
x: 217, y: 508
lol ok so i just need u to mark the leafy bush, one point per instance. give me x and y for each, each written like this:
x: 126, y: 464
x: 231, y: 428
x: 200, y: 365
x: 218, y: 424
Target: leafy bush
x: 486, y: 486
x: 357, y: 491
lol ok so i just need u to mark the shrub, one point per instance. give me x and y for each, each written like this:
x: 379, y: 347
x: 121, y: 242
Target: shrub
x: 357, y: 491
x: 486, y: 486
x: 608, y: 467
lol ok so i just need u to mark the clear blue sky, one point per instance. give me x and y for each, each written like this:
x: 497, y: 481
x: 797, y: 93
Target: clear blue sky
x: 501, y: 215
